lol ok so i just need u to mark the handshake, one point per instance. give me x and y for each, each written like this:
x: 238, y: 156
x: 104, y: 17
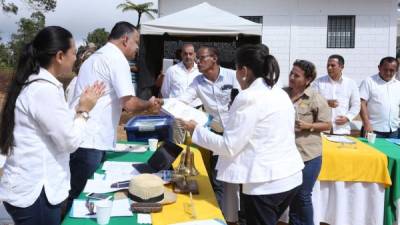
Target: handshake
x: 155, y: 105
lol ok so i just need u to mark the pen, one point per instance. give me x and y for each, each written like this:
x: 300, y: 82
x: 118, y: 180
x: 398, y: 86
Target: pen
x: 120, y: 184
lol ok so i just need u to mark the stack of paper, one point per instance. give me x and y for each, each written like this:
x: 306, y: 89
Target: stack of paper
x: 339, y: 139
x: 130, y: 148
x: 120, y: 207
x: 180, y: 110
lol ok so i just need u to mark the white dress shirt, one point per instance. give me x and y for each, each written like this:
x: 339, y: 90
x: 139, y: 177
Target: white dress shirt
x: 177, y: 79
x: 345, y: 91
x: 110, y: 66
x: 383, y: 102
x: 45, y: 134
x: 215, y: 96
x: 258, y: 144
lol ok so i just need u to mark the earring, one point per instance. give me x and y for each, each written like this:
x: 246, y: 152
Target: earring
x: 243, y: 78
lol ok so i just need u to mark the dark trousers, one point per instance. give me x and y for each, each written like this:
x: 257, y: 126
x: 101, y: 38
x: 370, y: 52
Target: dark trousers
x: 267, y: 209
x: 40, y: 213
x: 83, y: 163
x: 391, y: 134
x: 301, y: 209
x: 217, y: 185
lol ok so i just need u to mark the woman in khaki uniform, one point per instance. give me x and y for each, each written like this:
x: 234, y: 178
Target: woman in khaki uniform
x: 312, y: 116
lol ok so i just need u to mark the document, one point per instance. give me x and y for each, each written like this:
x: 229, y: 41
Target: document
x: 100, y: 186
x: 181, y: 110
x: 340, y: 139
x: 120, y: 207
x: 130, y: 148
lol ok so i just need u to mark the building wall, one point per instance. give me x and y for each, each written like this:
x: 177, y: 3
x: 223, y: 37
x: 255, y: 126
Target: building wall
x: 297, y: 29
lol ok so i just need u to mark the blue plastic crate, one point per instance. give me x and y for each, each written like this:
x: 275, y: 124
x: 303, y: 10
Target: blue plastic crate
x: 141, y: 128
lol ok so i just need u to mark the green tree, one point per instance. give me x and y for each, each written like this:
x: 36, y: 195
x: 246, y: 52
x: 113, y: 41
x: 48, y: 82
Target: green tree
x: 27, y: 29
x: 144, y: 8
x: 5, y: 56
x: 99, y: 37
x: 36, y: 5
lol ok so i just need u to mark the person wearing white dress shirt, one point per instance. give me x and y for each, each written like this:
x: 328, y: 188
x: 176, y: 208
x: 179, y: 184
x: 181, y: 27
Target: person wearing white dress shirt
x: 177, y: 79
x: 110, y: 65
x: 39, y: 131
x: 380, y: 101
x: 258, y: 143
x: 341, y: 93
x: 213, y: 87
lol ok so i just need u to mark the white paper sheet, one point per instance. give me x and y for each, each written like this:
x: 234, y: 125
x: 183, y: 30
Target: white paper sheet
x: 118, y: 166
x: 130, y: 148
x: 120, y: 207
x: 144, y: 218
x: 99, y: 186
x: 339, y: 139
x: 180, y: 110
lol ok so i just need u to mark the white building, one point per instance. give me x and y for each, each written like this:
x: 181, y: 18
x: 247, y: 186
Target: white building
x: 362, y: 31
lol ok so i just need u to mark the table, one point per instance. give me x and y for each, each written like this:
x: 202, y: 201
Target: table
x: 351, y: 186
x: 205, y: 203
x: 392, y: 193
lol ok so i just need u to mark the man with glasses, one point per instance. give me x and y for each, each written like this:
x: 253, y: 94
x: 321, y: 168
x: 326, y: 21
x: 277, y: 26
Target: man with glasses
x: 213, y: 87
x: 177, y: 79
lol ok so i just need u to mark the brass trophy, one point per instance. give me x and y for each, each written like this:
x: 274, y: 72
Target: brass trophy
x: 186, y: 169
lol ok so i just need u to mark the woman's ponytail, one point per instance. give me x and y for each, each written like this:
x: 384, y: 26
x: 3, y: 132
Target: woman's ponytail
x: 271, y: 70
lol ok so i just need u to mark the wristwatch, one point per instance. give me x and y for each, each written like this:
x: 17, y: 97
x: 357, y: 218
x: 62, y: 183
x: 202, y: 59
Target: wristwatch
x: 84, y: 114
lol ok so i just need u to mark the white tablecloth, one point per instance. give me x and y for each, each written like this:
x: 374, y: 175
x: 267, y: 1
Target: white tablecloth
x: 347, y: 203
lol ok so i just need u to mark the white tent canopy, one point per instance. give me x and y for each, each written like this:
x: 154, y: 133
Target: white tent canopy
x: 202, y: 19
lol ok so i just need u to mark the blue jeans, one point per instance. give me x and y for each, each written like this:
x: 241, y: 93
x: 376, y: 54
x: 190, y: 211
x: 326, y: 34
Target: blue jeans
x: 267, y: 209
x: 301, y: 209
x: 40, y: 213
x: 83, y: 163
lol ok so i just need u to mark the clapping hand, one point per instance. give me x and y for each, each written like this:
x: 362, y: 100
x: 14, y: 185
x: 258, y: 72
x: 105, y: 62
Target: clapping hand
x: 90, y: 95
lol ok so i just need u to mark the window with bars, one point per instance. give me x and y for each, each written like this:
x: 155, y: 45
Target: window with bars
x: 255, y: 19
x: 341, y: 31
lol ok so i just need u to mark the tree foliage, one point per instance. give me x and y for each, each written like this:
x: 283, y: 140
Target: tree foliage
x: 36, y: 5
x: 144, y: 8
x: 99, y: 37
x: 27, y: 29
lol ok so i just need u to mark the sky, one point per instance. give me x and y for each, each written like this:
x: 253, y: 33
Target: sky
x: 78, y: 16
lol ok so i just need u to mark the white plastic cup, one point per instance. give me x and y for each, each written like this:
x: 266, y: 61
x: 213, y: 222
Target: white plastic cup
x: 371, y: 137
x: 103, y: 211
x: 153, y: 144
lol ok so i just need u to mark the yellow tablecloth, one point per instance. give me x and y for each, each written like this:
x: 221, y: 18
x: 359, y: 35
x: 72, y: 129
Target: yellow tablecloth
x: 205, y: 204
x: 353, y: 162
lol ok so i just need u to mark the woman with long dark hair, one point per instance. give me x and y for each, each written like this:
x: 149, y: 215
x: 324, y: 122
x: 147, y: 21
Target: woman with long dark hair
x: 258, y: 145
x: 38, y: 131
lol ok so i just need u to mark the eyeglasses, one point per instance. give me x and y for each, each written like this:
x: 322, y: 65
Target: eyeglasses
x: 203, y: 57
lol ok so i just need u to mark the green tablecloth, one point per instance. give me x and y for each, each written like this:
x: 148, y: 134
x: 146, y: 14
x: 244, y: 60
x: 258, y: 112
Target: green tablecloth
x: 112, y: 156
x: 392, y: 193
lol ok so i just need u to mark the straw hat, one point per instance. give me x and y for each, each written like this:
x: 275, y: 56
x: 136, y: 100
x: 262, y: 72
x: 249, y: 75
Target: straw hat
x: 149, y: 188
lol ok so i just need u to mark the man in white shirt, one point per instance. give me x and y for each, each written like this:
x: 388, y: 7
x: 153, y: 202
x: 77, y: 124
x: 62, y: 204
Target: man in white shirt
x: 110, y: 65
x: 380, y: 101
x: 213, y: 87
x: 341, y: 93
x: 177, y: 79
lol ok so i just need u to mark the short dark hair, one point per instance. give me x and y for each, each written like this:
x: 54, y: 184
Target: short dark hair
x: 120, y: 29
x: 388, y: 59
x: 308, y: 67
x: 338, y: 57
x: 212, y: 50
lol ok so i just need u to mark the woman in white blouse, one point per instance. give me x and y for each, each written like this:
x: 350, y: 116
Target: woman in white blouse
x: 258, y: 144
x: 38, y: 131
